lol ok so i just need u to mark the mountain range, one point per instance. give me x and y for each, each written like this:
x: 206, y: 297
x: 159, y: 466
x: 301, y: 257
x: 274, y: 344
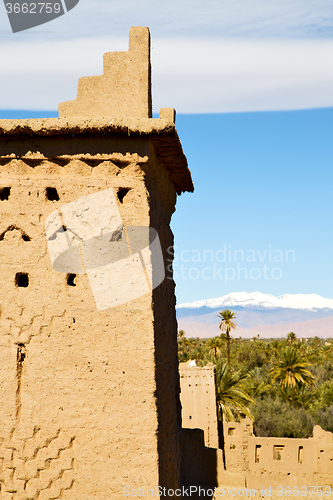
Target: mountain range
x: 260, y: 314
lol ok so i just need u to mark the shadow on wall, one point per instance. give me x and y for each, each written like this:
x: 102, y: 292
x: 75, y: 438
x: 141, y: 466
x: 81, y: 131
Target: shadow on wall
x: 203, y: 466
x: 198, y: 463
x: 239, y: 457
x: 202, y: 456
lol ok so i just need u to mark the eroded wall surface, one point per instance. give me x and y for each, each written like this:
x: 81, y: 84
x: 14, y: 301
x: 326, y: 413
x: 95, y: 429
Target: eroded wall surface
x: 89, y: 391
x: 247, y: 461
x: 124, y: 88
x: 77, y: 384
x: 198, y: 399
x: 272, y: 462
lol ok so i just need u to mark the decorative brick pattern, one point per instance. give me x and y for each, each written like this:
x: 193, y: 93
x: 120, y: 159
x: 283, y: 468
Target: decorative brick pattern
x: 36, y: 467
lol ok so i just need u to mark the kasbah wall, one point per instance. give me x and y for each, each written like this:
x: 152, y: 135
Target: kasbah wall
x: 254, y: 466
x: 89, y: 398
x: 198, y: 399
x: 90, y: 395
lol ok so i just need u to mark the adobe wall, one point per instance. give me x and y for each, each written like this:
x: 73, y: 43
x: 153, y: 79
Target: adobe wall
x: 90, y: 396
x: 198, y: 400
x: 236, y: 444
x: 124, y: 88
x: 247, y: 461
x: 203, y: 466
x: 272, y: 462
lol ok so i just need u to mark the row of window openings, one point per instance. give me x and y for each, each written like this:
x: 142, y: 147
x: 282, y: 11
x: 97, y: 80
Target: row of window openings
x: 51, y: 194
x: 278, y: 452
x: 22, y: 280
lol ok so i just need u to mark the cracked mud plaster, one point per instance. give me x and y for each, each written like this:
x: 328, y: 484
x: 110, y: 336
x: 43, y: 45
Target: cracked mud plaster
x: 56, y: 345
x: 34, y: 466
x: 94, y: 392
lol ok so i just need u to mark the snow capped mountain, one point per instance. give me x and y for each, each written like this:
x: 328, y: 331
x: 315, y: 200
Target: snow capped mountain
x: 258, y: 300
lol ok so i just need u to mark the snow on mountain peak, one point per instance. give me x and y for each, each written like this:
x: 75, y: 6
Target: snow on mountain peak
x: 258, y: 300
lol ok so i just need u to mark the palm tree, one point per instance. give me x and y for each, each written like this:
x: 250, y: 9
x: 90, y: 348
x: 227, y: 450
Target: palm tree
x: 275, y: 347
x: 255, y: 384
x: 268, y: 351
x: 214, y: 345
x: 181, y: 334
x: 231, y: 398
x: 298, y: 397
x: 291, y: 370
x: 226, y: 316
x: 291, y: 337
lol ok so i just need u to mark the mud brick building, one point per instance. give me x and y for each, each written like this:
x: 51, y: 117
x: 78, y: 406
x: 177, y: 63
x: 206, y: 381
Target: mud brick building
x: 89, y: 396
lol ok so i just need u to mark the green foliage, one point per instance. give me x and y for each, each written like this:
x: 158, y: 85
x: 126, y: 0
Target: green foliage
x: 324, y: 371
x: 324, y: 418
x: 291, y: 337
x: 325, y: 395
x: 231, y: 398
x: 290, y: 380
x: 215, y: 345
x: 226, y: 324
x: 291, y: 369
x: 255, y: 384
x: 298, y: 396
x: 276, y: 418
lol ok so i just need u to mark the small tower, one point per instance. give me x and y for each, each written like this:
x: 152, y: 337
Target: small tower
x: 89, y: 381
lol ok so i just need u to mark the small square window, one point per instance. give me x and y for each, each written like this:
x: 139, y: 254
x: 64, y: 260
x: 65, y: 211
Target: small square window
x: 22, y: 280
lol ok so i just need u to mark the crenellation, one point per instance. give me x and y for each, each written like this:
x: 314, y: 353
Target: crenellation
x: 124, y: 89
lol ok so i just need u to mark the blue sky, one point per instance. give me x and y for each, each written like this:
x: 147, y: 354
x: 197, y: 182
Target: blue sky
x: 263, y: 186
x: 234, y: 55
x: 252, y: 83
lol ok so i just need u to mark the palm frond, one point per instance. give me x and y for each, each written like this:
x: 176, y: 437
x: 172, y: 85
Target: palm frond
x: 231, y: 397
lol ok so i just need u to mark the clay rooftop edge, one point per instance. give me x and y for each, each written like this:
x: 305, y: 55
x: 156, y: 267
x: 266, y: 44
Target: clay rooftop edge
x: 161, y: 132
x: 64, y: 126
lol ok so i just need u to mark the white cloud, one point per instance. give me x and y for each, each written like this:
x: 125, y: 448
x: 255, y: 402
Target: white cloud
x: 243, y: 75
x: 40, y: 76
x: 190, y: 74
x: 208, y: 55
x: 182, y: 18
